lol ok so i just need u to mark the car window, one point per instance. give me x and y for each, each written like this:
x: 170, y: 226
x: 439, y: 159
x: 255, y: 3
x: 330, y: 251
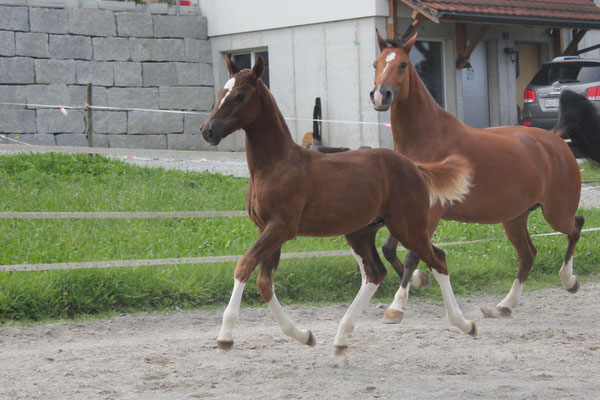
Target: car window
x: 567, y: 72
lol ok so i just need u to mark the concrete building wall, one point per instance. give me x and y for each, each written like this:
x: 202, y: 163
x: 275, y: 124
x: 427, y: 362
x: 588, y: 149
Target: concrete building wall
x: 330, y: 60
x: 51, y: 50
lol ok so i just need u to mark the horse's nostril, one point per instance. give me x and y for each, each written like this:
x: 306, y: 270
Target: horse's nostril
x: 387, y: 95
x: 372, y: 94
x: 211, y: 133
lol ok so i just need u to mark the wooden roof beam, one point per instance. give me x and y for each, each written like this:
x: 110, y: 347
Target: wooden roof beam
x: 464, y: 50
x: 578, y: 34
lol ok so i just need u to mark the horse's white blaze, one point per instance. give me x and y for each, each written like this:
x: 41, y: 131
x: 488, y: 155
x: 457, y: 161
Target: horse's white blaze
x: 288, y: 327
x: 513, y: 297
x: 228, y: 86
x: 231, y: 312
x: 454, y: 314
x: 566, y: 274
x: 367, y: 290
x: 390, y: 57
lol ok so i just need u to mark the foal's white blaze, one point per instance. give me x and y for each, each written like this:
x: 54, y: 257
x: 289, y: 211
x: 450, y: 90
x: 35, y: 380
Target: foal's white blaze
x: 228, y: 86
x: 454, y: 314
x: 367, y: 290
x: 566, y: 274
x: 231, y: 312
x: 390, y: 57
x: 285, y: 323
x: 513, y: 297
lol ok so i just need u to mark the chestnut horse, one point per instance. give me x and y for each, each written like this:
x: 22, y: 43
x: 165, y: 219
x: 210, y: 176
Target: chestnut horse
x: 517, y: 169
x: 294, y: 191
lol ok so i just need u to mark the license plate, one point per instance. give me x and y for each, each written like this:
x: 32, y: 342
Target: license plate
x: 551, y: 103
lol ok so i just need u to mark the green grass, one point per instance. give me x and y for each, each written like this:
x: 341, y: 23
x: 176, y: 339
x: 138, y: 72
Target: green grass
x: 54, y: 182
x: 590, y: 172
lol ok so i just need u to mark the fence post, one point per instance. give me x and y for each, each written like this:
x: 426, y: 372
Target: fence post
x: 90, y: 136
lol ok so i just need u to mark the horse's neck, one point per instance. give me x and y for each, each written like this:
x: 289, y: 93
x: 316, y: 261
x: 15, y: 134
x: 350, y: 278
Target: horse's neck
x: 418, y: 122
x: 268, y: 139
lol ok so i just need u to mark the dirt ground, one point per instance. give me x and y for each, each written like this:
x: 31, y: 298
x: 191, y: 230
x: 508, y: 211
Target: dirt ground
x: 549, y: 348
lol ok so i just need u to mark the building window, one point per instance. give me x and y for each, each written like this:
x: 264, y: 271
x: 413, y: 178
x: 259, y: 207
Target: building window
x: 428, y: 60
x: 246, y: 59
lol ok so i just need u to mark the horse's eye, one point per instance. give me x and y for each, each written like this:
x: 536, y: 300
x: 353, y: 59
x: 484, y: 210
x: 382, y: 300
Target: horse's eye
x: 374, y: 66
x: 240, y: 97
x: 403, y: 65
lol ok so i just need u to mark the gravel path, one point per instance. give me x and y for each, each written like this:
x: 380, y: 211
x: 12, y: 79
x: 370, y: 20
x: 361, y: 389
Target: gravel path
x: 226, y: 163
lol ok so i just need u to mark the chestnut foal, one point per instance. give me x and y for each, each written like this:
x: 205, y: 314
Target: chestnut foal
x: 298, y: 192
x: 517, y: 168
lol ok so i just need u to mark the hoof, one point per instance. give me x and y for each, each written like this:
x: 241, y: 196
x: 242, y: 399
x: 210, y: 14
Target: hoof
x: 223, y: 346
x: 339, y: 350
x: 393, y: 317
x: 473, y: 331
x: 420, y: 279
x: 311, y: 342
x: 496, y: 312
x: 575, y: 287
x: 504, y: 311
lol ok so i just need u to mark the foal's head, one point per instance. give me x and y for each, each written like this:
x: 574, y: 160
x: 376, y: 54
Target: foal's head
x: 238, y: 103
x: 391, y: 72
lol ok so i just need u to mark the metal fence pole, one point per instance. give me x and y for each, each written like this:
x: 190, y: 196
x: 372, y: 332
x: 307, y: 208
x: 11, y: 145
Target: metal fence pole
x: 90, y: 125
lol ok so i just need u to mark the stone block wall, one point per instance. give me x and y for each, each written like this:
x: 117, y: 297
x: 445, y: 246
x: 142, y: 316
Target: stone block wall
x: 50, y: 50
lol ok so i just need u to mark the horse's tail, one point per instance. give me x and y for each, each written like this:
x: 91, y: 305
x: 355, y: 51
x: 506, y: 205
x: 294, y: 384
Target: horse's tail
x: 580, y: 120
x: 448, y: 181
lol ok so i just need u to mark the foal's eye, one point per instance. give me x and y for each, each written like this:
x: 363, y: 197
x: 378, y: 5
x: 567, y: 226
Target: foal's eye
x: 240, y: 97
x: 403, y: 65
x: 374, y: 66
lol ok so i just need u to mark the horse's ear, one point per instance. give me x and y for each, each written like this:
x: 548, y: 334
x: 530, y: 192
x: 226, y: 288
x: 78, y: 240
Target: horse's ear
x: 408, y: 45
x: 381, y: 41
x: 258, y: 68
x: 232, y: 66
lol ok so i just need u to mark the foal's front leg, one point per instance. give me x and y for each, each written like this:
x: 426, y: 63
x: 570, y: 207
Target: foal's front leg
x: 268, y: 241
x: 267, y: 292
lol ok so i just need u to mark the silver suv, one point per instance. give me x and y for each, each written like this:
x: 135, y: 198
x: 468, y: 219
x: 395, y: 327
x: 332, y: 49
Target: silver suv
x: 540, y: 99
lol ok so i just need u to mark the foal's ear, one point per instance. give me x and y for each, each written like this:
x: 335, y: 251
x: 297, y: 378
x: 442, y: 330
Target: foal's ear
x: 408, y: 45
x: 258, y: 68
x: 232, y: 66
x: 382, y: 43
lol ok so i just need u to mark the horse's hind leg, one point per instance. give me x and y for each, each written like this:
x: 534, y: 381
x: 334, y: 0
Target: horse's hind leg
x: 267, y: 292
x: 518, y: 235
x: 372, y: 271
x: 570, y: 281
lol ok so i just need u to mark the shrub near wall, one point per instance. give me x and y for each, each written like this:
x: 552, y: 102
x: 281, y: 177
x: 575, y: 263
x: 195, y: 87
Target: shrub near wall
x: 133, y: 59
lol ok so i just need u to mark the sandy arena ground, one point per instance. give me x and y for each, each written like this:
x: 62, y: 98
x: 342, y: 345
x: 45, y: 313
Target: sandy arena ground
x: 549, y: 348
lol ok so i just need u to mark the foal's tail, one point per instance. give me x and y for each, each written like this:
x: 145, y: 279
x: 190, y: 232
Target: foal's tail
x: 580, y: 120
x: 448, y: 180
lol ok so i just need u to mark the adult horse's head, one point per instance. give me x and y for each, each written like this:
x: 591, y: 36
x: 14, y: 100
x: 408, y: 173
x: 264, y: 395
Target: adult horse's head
x: 237, y: 105
x: 391, y: 71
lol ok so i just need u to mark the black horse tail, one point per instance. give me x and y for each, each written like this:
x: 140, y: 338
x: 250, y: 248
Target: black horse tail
x: 579, y: 120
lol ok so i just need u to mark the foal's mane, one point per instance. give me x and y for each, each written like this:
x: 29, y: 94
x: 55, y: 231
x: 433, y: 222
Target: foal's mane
x: 266, y: 96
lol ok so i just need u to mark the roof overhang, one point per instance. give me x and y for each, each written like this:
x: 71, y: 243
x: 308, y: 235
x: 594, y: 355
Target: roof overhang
x: 517, y: 20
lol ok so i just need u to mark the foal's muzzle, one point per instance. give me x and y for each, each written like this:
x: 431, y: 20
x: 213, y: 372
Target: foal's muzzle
x: 382, y: 97
x: 212, y: 133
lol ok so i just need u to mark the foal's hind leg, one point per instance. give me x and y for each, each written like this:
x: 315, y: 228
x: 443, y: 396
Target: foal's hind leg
x: 517, y: 233
x: 267, y: 292
x: 373, y: 272
x: 390, y: 252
